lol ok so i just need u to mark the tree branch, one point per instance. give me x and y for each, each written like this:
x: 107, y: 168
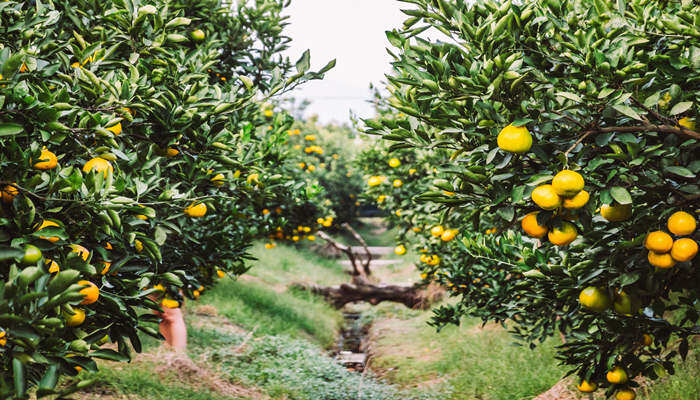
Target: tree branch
x: 676, y: 130
x: 347, y: 250
x: 368, y: 259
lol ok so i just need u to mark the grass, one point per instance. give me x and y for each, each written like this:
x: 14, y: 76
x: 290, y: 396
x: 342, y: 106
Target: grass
x: 683, y: 385
x: 465, y: 362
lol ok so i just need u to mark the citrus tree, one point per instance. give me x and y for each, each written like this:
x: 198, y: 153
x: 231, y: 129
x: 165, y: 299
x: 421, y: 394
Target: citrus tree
x: 566, y: 136
x: 134, y: 153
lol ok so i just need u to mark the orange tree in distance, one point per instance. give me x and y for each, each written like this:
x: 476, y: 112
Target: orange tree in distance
x: 565, y: 134
x: 134, y: 152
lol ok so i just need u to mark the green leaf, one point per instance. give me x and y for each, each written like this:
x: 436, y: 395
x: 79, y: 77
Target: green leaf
x: 679, y: 171
x: 10, y: 129
x: 304, y: 62
x: 570, y: 96
x: 621, y: 195
x: 681, y: 107
x: 627, y: 110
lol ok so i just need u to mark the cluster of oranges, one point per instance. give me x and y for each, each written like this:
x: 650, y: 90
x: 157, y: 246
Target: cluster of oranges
x: 313, y: 149
x: 445, y: 235
x: 565, y: 191
x: 664, y: 252
x: 376, y: 180
x: 617, y: 376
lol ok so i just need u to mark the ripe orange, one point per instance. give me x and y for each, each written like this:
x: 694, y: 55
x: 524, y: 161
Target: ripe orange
x: 91, y: 292
x: 531, y: 227
x: 400, y: 250
x: 594, y: 299
x: 448, y: 235
x: 98, y: 164
x: 82, y: 251
x: 105, y: 267
x: 567, y: 183
x: 196, y: 210
x: 661, y: 260
x: 587, y: 387
x: 576, y: 202
x: 684, y: 249
x: 170, y: 303
x: 195, y: 293
x: 437, y: 231
x: 563, y: 234
x: 625, y: 394
x: 546, y: 197
x: 138, y: 245
x: 616, y: 212
x: 220, y: 273
x: 397, y: 183
x: 53, y: 266
x: 681, y: 223
x: 47, y: 161
x: 217, y: 180
x: 647, y: 339
x: 375, y: 181
x: 394, y: 162
x: 44, y: 224
x: 76, y: 319
x: 687, y: 123
x: 617, y: 375
x: 116, y: 129
x: 8, y: 193
x: 658, y: 242
x: 514, y: 139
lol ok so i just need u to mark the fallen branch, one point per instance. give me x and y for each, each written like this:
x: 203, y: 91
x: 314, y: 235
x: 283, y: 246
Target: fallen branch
x: 347, y: 250
x: 414, y: 296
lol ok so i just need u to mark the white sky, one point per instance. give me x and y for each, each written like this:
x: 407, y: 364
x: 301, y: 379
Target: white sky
x: 352, y: 32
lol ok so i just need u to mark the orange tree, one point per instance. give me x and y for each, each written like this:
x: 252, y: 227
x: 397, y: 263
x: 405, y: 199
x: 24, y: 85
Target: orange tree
x: 134, y: 152
x: 569, y: 127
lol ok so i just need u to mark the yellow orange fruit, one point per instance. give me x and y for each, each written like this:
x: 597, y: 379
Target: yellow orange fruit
x: 437, y: 231
x: 647, y: 339
x: 47, y: 160
x: 171, y: 152
x: 684, y: 249
x: 531, y: 227
x: 616, y: 212
x: 594, y: 299
x: 663, y: 260
x: 106, y: 265
x: 397, y: 183
x: 196, y: 210
x: 687, y: 123
x: 400, y: 250
x: 98, y: 164
x: 220, y: 273
x: 375, y: 181
x: 625, y: 394
x: 80, y: 250
x: 546, y: 197
x: 567, y: 183
x: 514, y: 139
x: 217, y: 180
x: 617, y: 375
x: 576, y: 202
x: 91, y: 293
x: 563, y: 234
x: 138, y: 245
x: 394, y: 162
x: 170, y: 303
x: 53, y: 266
x: 76, y: 319
x: 448, y: 235
x: 658, y: 242
x: 681, y: 223
x: 587, y: 387
x: 46, y: 223
x: 115, y: 129
x: 8, y: 193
